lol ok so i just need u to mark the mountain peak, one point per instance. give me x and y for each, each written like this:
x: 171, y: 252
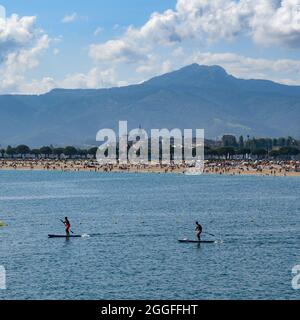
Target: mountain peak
x: 204, y: 68
x: 195, y: 96
x: 193, y: 74
x: 210, y: 71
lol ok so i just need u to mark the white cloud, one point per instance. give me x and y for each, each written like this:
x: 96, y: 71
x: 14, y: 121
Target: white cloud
x: 57, y: 39
x: 277, y: 22
x: 281, y: 70
x: 154, y: 66
x: 117, y: 51
x: 15, y: 31
x: 94, y: 79
x: 247, y: 67
x: 162, y: 44
x: 264, y: 21
x: 70, y: 18
x: 21, y: 44
x: 286, y: 71
x: 40, y: 86
x: 98, y: 31
x: 18, y: 62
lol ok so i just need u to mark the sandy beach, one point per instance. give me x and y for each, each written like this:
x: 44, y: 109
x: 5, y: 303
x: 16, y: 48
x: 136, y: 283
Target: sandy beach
x: 227, y: 167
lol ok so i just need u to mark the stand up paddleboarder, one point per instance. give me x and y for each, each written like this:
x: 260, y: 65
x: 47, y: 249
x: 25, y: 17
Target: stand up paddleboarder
x: 68, y: 226
x: 198, y: 231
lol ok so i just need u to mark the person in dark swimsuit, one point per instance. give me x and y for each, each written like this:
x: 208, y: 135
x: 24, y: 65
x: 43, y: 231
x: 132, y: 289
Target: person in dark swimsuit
x: 198, y: 231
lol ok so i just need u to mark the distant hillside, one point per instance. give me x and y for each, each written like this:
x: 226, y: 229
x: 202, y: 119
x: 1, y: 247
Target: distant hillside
x: 192, y: 97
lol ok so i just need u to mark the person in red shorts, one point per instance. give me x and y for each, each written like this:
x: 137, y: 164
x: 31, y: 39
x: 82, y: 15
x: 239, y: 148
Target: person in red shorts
x: 68, y: 225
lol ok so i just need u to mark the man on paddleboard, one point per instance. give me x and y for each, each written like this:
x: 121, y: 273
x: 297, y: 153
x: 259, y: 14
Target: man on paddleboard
x: 68, y: 225
x: 198, y: 231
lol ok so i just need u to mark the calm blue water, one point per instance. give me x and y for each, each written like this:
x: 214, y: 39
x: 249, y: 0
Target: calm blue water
x: 136, y: 220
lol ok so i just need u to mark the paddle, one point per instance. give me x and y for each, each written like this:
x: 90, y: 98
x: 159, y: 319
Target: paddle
x: 64, y: 224
x: 209, y: 234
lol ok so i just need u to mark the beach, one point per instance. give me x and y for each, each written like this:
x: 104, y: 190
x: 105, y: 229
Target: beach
x: 221, y: 167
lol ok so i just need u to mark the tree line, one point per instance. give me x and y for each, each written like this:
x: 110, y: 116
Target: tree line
x: 48, y: 151
x: 260, y: 153
x: 228, y: 147
x: 259, y: 143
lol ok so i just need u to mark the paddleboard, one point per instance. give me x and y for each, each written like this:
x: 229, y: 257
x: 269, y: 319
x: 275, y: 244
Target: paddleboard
x: 195, y: 241
x: 65, y: 236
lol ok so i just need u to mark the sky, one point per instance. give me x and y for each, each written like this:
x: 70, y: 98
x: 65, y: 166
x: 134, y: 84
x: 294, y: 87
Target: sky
x: 99, y: 43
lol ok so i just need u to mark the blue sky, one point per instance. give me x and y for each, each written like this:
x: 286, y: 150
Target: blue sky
x: 94, y: 44
x: 113, y: 16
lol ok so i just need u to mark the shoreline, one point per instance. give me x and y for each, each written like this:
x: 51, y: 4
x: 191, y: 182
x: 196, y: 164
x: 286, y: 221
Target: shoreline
x: 216, y: 167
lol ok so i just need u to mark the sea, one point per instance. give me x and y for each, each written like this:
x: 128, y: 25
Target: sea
x: 130, y: 226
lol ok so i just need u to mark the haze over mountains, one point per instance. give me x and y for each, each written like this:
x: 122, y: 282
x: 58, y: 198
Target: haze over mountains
x: 192, y: 97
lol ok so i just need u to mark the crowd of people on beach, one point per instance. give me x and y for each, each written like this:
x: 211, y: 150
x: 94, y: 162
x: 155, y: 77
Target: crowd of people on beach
x: 233, y: 167
x: 261, y: 167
